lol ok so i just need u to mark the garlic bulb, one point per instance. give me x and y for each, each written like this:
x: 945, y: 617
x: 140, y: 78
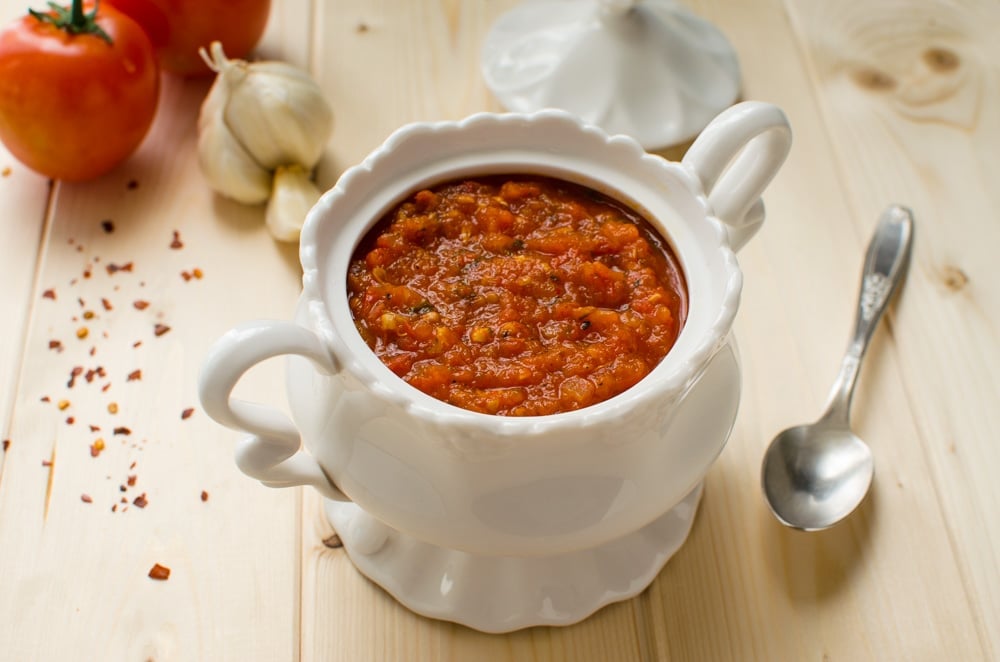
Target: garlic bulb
x: 262, y: 129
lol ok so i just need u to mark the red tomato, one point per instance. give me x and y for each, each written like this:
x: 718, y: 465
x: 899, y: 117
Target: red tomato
x: 72, y: 106
x: 178, y: 28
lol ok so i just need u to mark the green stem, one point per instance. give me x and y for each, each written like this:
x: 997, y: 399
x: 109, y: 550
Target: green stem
x: 72, y: 19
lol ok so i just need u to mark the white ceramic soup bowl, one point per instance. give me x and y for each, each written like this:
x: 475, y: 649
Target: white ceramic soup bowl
x: 509, y: 486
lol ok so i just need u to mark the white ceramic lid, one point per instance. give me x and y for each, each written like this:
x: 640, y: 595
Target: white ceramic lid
x: 646, y: 68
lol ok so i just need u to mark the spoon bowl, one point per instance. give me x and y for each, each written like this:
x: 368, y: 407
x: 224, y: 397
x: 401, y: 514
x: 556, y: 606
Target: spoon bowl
x: 813, y: 476
x: 816, y: 475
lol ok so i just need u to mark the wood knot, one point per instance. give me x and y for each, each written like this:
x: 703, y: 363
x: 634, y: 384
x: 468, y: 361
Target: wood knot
x: 361, y: 28
x: 873, y: 79
x: 954, y: 278
x: 333, y: 542
x: 941, y: 59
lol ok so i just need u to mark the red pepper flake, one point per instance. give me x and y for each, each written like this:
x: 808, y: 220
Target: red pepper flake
x: 186, y: 414
x: 70, y: 420
x: 108, y: 225
x: 6, y: 445
x: 93, y: 350
x: 132, y: 466
x: 197, y: 273
x: 79, y: 249
x: 204, y: 495
x: 131, y: 482
x: 46, y: 398
x: 140, y: 501
x: 49, y: 294
x: 95, y: 428
x: 114, y: 507
x: 186, y: 276
x: 86, y: 498
x: 123, y: 430
x: 159, y: 572
x: 56, y: 345
x: 160, y: 329
x: 134, y: 375
x: 63, y: 405
x: 140, y: 304
x: 177, y: 244
x: 107, y: 304
x: 104, y: 389
x: 46, y: 463
x: 137, y: 343
x: 96, y: 448
x: 86, y: 272
x: 113, y: 268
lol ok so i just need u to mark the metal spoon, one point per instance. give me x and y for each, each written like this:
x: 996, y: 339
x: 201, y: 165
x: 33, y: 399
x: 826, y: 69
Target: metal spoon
x: 815, y: 475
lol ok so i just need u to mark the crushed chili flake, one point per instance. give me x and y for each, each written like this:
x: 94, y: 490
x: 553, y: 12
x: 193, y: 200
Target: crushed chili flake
x: 160, y: 329
x: 134, y: 376
x: 137, y: 343
x: 140, y: 501
x: 131, y: 482
x: 105, y: 388
x: 93, y: 350
x: 114, y: 507
x: 123, y: 430
x: 132, y: 466
x: 82, y: 332
x: 86, y: 272
x: 186, y: 276
x: 204, y: 495
x: 186, y: 414
x: 113, y: 407
x: 108, y: 225
x: 56, y: 345
x: 159, y: 572
x: 123, y: 488
x: 95, y: 428
x: 96, y: 448
x: 197, y: 273
x: 49, y: 294
x: 63, y: 405
x: 6, y: 445
x: 86, y: 498
x: 46, y: 463
x: 140, y: 304
x: 177, y: 244
x: 113, y: 268
x: 70, y: 420
x: 46, y: 398
x: 107, y: 304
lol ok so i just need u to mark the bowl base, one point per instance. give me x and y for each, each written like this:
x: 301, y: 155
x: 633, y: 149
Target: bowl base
x: 505, y: 593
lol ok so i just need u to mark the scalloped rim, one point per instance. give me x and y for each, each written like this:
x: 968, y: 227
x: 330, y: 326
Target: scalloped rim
x: 377, y: 377
x: 405, y: 567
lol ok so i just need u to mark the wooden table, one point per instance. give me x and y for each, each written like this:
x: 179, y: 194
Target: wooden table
x: 889, y: 102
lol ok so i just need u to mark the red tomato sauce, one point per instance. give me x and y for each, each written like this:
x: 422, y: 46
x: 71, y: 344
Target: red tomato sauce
x: 517, y: 295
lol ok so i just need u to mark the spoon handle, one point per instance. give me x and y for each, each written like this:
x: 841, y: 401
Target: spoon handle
x: 886, y: 263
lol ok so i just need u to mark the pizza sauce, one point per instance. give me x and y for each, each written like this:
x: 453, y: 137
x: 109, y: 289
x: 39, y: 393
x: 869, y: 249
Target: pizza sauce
x: 516, y: 295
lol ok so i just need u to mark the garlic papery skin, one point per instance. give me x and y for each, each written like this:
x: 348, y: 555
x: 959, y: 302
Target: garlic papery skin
x: 227, y: 165
x: 294, y: 194
x: 276, y: 111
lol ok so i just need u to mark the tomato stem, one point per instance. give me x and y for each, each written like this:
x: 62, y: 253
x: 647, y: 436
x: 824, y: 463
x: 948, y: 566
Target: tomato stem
x: 73, y: 19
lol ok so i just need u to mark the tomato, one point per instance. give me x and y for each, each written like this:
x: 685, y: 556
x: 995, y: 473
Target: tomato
x: 178, y: 28
x: 72, y: 106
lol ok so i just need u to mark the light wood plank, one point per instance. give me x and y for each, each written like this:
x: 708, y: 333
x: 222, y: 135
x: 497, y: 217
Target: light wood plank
x: 907, y: 94
x: 74, y: 573
x: 887, y: 584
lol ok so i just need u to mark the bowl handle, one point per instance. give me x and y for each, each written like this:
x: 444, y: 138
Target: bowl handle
x: 271, y: 453
x: 735, y: 157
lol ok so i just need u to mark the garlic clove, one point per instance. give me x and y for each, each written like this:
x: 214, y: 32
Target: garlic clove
x: 280, y: 117
x: 293, y: 195
x: 228, y: 167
